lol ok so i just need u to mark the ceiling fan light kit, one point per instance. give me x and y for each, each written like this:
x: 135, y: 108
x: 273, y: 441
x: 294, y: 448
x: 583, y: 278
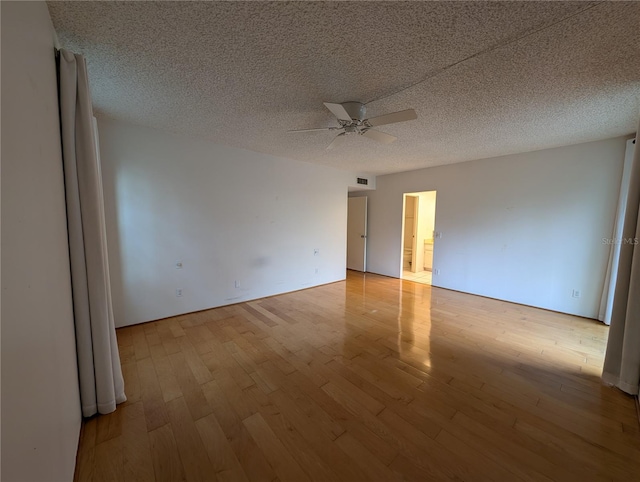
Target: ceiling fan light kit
x: 351, y: 117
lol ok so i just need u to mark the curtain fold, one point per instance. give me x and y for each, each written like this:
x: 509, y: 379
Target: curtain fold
x: 606, y: 301
x: 100, y: 374
x: 622, y: 358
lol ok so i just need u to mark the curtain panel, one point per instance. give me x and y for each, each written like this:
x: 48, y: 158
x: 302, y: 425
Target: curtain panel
x: 606, y: 301
x: 100, y: 374
x: 622, y: 358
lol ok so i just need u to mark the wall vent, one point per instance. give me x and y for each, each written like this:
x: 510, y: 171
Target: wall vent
x: 362, y: 180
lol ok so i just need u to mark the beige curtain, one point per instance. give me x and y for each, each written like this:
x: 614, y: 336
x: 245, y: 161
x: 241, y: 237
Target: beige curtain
x: 622, y: 358
x: 606, y: 301
x: 100, y: 374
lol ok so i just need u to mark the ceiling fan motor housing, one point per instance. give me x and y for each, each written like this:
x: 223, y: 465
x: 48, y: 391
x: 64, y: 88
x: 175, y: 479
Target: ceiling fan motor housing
x: 351, y: 129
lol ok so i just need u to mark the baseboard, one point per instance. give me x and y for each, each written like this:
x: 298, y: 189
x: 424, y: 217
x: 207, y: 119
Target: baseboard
x: 637, y: 408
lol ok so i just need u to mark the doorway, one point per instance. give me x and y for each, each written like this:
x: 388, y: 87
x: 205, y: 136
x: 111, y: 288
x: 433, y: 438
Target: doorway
x: 418, y: 225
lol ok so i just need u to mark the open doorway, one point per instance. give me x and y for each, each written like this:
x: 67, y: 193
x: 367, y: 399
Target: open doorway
x: 418, y: 224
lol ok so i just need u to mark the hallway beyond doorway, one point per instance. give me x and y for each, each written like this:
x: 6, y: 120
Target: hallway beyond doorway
x: 418, y: 233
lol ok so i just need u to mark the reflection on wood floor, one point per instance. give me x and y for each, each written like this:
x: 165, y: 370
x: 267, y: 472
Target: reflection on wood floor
x: 372, y: 378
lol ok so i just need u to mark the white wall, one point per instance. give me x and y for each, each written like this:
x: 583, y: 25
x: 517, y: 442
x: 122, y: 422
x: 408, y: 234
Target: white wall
x: 526, y: 228
x: 40, y: 399
x: 228, y: 214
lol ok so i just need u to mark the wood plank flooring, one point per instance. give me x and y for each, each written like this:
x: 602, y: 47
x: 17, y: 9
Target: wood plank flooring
x: 372, y: 378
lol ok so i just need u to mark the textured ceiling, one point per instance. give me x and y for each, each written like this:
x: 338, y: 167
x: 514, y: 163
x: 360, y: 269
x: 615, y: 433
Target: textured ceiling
x: 486, y: 78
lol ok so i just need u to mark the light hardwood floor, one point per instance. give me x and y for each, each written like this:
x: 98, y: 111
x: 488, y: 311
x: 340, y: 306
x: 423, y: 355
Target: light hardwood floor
x: 370, y: 379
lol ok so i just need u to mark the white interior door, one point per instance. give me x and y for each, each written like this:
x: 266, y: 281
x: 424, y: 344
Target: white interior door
x: 357, y: 233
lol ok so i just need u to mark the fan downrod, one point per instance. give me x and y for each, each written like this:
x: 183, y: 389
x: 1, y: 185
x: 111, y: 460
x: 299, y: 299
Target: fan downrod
x: 357, y: 110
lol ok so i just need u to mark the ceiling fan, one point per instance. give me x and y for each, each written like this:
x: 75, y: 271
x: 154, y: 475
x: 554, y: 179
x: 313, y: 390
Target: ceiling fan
x: 351, y: 117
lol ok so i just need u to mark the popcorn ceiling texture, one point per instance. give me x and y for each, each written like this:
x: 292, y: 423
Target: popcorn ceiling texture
x: 536, y: 74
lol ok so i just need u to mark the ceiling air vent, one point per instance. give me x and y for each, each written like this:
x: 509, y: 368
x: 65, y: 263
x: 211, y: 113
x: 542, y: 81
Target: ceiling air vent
x: 362, y: 180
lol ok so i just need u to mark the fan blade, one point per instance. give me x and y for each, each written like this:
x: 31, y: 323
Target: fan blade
x: 338, y: 111
x: 402, y: 116
x: 379, y: 136
x: 337, y: 140
x: 313, y: 130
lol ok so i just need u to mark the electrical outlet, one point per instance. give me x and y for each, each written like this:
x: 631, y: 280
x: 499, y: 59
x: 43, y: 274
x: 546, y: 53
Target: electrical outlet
x: 179, y: 292
x: 436, y: 272
x: 576, y: 294
x: 316, y: 251
x: 316, y: 270
x: 237, y: 284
